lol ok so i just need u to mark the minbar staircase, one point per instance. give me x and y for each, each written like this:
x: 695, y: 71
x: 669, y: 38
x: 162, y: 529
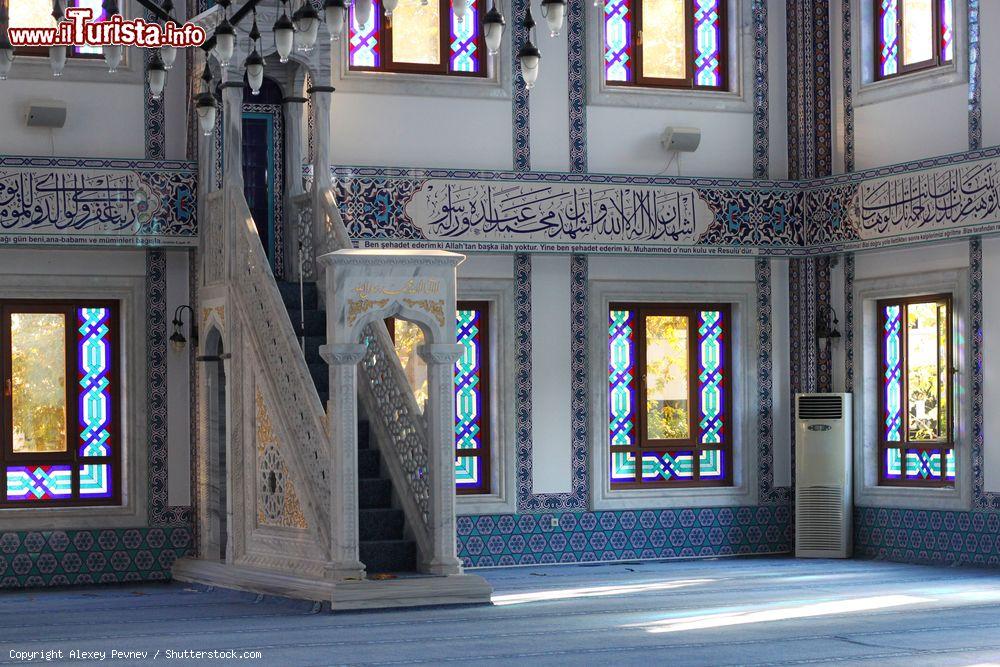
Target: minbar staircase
x: 383, y: 546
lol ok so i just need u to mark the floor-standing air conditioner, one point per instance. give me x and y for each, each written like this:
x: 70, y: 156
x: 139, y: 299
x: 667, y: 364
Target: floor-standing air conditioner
x: 823, y: 503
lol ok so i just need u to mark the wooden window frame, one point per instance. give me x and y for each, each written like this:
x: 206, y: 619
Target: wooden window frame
x: 484, y: 452
x: 640, y: 80
x: 71, y: 457
x: 902, y: 68
x: 905, y: 443
x: 641, y: 443
x: 441, y: 68
x: 43, y: 51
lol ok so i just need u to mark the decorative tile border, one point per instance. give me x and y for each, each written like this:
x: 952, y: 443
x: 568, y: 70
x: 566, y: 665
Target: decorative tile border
x: 848, y: 74
x: 849, y: 322
x: 975, y: 79
x: 981, y: 498
x: 160, y: 513
x: 154, y: 116
x: 520, y: 112
x: 761, y: 109
x: 824, y: 363
x: 576, y: 27
x: 77, y: 557
x: 580, y: 537
x: 768, y: 493
x: 809, y: 130
x: 527, y: 500
x: 932, y: 537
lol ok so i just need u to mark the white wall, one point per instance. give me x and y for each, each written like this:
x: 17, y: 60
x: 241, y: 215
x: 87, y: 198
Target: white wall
x: 991, y: 362
x: 445, y: 131
x: 104, y: 116
x: 914, y: 125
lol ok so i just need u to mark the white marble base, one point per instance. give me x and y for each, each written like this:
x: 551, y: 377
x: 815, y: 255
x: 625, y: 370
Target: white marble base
x: 416, y: 591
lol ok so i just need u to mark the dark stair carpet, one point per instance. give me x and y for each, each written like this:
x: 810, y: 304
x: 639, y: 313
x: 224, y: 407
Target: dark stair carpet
x: 383, y: 547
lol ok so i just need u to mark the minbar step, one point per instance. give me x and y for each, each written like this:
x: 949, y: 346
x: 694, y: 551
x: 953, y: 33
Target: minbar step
x: 380, y: 556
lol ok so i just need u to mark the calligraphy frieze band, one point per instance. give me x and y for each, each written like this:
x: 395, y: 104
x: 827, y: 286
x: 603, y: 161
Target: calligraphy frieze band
x: 958, y: 199
x: 83, y: 205
x: 944, y: 197
x: 591, y: 216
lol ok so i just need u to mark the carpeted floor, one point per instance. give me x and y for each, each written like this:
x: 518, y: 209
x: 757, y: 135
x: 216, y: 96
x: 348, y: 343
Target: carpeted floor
x: 722, y: 612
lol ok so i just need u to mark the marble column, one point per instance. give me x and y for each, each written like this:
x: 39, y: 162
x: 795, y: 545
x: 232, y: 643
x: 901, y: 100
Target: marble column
x: 298, y: 219
x: 342, y: 409
x: 322, y: 99
x: 440, y: 416
x: 232, y: 135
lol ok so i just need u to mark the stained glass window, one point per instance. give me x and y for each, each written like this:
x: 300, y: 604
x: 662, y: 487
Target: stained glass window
x: 472, y: 389
x: 59, y: 411
x: 38, y: 14
x: 913, y: 35
x: 668, y: 406
x: 421, y: 38
x: 665, y: 43
x: 915, y: 403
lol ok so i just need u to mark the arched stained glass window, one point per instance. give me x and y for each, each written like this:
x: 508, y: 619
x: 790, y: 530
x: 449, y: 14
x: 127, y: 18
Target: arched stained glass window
x: 421, y: 37
x: 665, y: 43
x: 913, y: 35
x: 60, y: 442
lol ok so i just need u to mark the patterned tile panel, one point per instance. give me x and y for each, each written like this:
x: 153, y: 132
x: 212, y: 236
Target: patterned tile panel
x: 580, y: 537
x: 61, y: 558
x: 931, y: 537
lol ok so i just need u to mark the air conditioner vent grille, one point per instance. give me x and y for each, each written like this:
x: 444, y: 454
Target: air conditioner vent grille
x: 821, y: 518
x: 820, y: 406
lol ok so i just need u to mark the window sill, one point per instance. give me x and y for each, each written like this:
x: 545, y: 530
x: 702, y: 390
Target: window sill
x: 428, y: 85
x: 36, y: 68
x: 487, y: 503
x: 914, y: 83
x: 668, y: 98
x: 716, y: 496
x: 81, y: 517
x: 903, y: 497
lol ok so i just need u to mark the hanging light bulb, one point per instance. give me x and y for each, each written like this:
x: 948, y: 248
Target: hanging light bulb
x: 493, y: 25
x: 206, y: 109
x: 112, y: 57
x: 362, y: 12
x: 284, y: 35
x: 335, y: 11
x: 57, y: 59
x: 460, y: 8
x: 529, y: 56
x: 389, y: 6
x: 57, y: 54
x: 225, y: 42
x: 254, y: 65
x: 554, y: 13
x: 6, y: 53
x: 157, y: 73
x: 168, y: 54
x: 306, y: 21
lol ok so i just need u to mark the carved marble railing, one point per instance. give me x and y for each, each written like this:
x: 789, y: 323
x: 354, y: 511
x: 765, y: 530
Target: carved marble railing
x: 387, y: 398
x: 300, y: 214
x: 300, y: 419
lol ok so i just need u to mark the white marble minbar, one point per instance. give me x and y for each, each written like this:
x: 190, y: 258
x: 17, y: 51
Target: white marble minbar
x: 363, y: 288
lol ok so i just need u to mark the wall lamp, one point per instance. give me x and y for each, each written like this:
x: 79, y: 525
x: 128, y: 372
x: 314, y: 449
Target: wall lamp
x: 177, y: 339
x: 826, y: 324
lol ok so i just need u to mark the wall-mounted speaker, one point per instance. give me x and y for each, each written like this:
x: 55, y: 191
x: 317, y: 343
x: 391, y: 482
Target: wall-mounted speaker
x: 45, y: 114
x: 681, y: 139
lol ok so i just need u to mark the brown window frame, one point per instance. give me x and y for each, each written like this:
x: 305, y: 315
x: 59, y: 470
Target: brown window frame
x: 905, y: 444
x: 484, y: 451
x: 442, y: 67
x: 903, y: 69
x: 71, y: 457
x: 671, y: 446
x: 43, y: 51
x: 687, y: 83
